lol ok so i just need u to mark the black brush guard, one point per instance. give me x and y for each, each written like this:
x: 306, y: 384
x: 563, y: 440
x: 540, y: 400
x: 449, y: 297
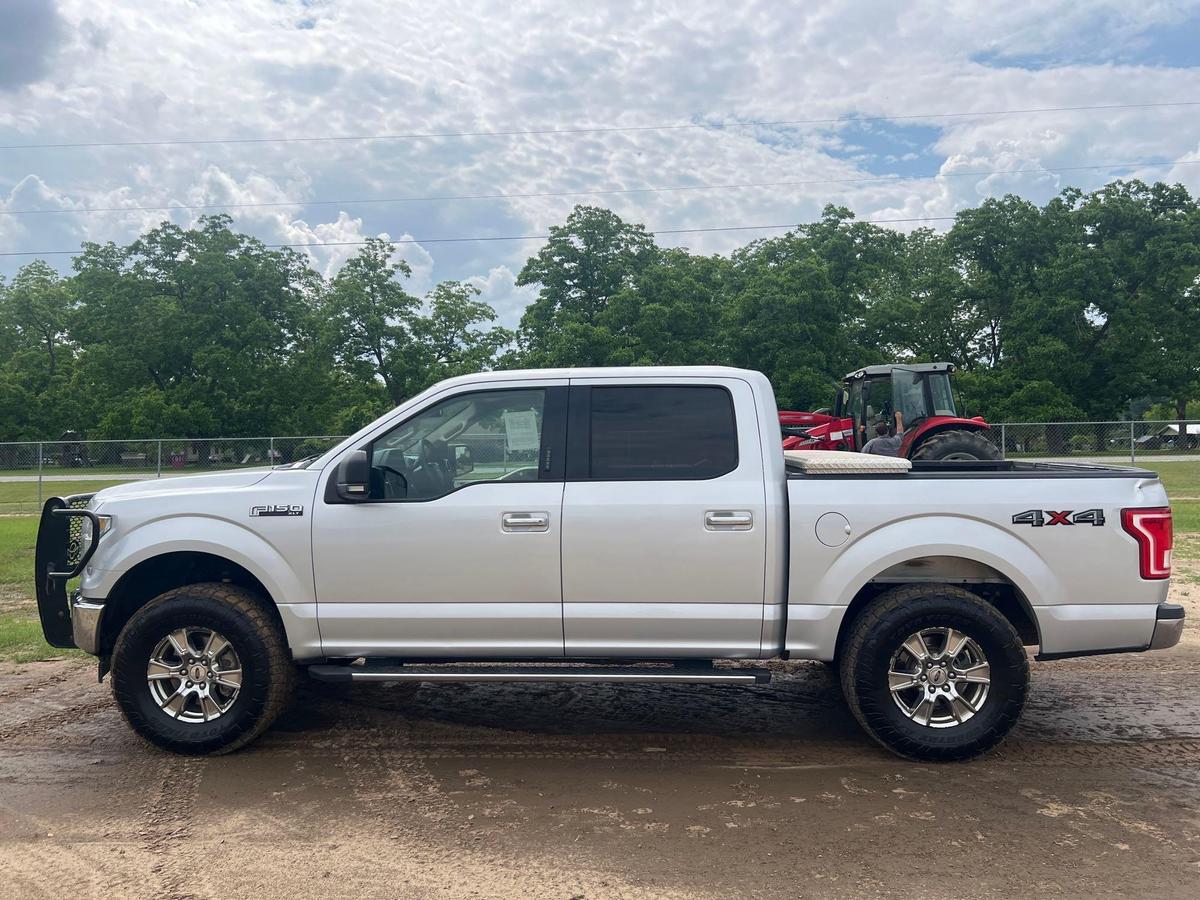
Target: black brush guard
x: 58, y: 557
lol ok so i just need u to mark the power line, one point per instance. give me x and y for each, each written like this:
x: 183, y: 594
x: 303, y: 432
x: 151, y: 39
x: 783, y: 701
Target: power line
x: 601, y: 129
x: 522, y: 237
x: 878, y: 179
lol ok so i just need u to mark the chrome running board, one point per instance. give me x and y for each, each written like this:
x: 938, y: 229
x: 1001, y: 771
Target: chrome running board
x: 538, y: 673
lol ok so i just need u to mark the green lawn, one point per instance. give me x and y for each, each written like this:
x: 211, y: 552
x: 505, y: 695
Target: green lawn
x: 20, y: 631
x: 21, y: 635
x: 1182, y: 480
x: 21, y: 497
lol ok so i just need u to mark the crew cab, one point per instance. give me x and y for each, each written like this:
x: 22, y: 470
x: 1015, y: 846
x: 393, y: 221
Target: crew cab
x: 605, y: 525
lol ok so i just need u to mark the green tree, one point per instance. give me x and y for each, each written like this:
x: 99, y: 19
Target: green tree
x: 451, y: 338
x: 370, y: 313
x: 585, y: 265
x: 201, y: 329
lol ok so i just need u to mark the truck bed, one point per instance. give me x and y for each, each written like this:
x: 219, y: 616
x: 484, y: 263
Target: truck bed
x: 1000, y: 468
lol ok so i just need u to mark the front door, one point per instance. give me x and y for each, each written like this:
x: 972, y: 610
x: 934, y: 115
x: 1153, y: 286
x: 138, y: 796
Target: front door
x: 664, y: 531
x: 456, y: 553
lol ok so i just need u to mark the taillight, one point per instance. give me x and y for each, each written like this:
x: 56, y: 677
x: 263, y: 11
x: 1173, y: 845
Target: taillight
x: 1151, y: 528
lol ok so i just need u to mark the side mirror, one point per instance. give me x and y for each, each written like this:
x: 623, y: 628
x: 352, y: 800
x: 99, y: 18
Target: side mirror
x: 463, y: 463
x: 354, y: 477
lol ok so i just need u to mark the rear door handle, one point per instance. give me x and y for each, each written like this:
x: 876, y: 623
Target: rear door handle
x: 525, y: 521
x: 728, y: 520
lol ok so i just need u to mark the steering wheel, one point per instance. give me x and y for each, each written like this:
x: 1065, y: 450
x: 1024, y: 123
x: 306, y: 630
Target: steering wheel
x: 388, y: 490
x: 427, y: 476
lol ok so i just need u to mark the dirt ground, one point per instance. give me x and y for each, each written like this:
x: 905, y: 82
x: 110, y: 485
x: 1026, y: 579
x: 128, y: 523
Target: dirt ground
x: 609, y: 791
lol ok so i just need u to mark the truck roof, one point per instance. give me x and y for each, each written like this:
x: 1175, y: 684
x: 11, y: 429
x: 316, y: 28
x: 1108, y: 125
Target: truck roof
x: 603, y: 372
x: 868, y: 371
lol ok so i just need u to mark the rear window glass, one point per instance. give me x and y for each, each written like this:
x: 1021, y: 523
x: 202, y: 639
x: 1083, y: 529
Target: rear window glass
x: 662, y: 433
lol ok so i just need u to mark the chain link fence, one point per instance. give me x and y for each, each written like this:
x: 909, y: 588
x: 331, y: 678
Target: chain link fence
x: 31, y: 471
x: 1128, y: 443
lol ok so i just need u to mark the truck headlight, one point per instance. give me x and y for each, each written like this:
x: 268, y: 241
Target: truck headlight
x: 85, y: 531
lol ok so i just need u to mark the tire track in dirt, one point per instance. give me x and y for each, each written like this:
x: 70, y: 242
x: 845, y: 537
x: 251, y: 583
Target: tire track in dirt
x: 166, y: 815
x: 41, y: 710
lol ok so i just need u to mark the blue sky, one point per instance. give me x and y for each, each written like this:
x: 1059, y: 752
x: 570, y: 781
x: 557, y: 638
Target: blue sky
x: 75, y: 71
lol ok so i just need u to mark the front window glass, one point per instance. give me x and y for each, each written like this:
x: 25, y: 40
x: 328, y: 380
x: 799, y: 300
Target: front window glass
x: 483, y: 436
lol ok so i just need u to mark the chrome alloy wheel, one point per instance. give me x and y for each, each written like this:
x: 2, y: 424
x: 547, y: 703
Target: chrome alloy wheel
x: 194, y: 674
x: 939, y: 677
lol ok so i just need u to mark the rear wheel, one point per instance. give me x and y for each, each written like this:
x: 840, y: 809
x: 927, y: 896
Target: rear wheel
x: 934, y: 673
x: 956, y: 445
x: 202, y: 669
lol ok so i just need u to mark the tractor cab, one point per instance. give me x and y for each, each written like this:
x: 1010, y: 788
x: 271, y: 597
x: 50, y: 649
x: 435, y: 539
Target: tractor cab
x: 923, y: 394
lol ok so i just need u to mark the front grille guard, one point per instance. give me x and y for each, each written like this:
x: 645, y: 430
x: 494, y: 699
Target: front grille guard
x: 58, y: 557
x: 74, y: 558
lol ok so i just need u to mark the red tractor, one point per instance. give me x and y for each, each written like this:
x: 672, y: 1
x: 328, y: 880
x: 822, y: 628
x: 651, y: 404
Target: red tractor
x: 921, y: 392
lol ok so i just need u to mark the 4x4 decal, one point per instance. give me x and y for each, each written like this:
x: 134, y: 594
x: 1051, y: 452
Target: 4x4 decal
x: 1040, y: 517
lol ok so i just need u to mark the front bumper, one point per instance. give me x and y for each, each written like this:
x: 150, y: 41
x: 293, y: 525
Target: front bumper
x: 85, y: 623
x: 1168, y: 626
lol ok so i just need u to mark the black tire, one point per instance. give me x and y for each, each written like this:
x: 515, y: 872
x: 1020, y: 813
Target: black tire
x: 237, y: 614
x: 880, y: 631
x: 956, y: 444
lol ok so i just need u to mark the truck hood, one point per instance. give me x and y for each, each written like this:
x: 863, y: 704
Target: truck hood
x: 217, y: 481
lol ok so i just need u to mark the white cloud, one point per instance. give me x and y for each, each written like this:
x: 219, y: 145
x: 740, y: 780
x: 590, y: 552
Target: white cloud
x: 498, y: 289
x: 228, y: 69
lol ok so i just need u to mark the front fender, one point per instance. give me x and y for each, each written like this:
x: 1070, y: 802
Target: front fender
x: 199, y: 534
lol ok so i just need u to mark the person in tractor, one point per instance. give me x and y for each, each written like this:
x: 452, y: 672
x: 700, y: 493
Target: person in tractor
x: 884, y: 444
x: 924, y: 396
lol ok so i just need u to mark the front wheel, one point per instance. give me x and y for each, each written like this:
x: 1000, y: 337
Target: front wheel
x: 934, y: 673
x: 202, y: 669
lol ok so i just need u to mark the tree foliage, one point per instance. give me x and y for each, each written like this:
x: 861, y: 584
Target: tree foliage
x: 1087, y: 306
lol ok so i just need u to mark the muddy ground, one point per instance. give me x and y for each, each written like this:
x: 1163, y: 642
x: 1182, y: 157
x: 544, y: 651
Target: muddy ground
x: 608, y: 791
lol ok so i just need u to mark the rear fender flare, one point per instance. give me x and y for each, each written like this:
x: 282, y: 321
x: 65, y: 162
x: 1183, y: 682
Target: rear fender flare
x: 939, y: 535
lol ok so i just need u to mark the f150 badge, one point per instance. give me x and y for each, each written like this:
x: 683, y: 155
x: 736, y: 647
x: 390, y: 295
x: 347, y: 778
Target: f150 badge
x: 1040, y: 517
x: 277, y: 510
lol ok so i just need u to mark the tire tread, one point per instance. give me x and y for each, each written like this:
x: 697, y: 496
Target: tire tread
x: 870, y: 620
x: 279, y: 662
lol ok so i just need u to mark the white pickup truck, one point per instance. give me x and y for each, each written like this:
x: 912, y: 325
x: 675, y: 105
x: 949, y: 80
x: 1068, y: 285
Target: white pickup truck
x: 604, y: 525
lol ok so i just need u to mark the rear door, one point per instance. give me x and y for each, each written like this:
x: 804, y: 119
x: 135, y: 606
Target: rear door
x: 664, y: 528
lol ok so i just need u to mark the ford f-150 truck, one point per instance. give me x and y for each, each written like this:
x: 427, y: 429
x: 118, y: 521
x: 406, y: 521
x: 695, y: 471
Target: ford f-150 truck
x: 636, y: 524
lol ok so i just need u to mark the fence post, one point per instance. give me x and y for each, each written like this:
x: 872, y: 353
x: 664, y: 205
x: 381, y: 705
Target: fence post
x: 1132, y: 445
x: 158, y: 468
x: 1003, y: 440
x: 39, y: 475
x: 271, y: 452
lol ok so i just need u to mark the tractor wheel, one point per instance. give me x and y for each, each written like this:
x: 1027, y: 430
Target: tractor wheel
x: 957, y: 445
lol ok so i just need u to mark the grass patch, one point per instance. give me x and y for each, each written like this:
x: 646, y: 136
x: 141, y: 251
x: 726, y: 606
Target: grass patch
x: 21, y: 640
x: 1180, y: 478
x: 1182, y: 481
x: 20, y: 631
x: 17, y: 534
x: 21, y: 497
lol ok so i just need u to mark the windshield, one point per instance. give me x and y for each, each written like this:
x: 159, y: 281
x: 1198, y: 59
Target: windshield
x: 908, y: 389
x: 432, y: 423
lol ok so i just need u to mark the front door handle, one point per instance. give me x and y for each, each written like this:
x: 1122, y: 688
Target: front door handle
x: 728, y: 520
x: 525, y: 521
